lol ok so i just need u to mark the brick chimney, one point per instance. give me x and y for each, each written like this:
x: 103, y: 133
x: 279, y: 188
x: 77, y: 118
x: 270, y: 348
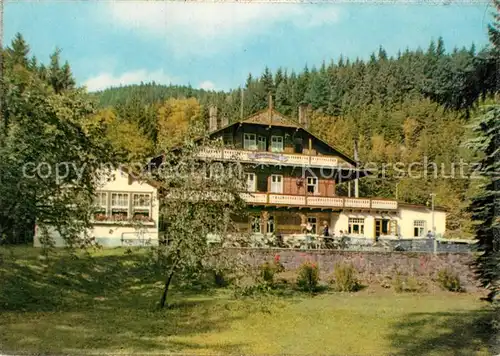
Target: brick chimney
x: 303, y: 118
x: 212, y: 118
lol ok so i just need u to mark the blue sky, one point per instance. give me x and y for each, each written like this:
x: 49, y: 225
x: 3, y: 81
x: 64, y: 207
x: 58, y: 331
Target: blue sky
x: 216, y: 45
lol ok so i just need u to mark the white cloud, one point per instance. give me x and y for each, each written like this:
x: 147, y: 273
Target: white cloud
x: 204, y: 28
x: 107, y: 80
x: 207, y: 85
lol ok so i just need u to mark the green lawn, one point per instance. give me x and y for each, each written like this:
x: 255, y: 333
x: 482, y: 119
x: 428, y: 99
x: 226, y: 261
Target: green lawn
x: 107, y: 305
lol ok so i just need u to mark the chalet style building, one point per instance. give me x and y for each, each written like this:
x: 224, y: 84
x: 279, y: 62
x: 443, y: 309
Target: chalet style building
x: 292, y: 178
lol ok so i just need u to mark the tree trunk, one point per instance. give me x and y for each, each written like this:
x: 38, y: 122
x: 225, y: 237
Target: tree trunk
x: 167, y: 284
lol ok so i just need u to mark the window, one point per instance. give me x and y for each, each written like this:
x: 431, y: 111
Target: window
x: 101, y: 201
x: 312, y: 185
x: 119, y: 204
x: 142, y: 205
x: 277, y: 143
x: 228, y: 140
x: 119, y: 200
x: 276, y: 183
x: 270, y: 225
x: 356, y: 226
x: 249, y: 141
x: 251, y: 182
x: 101, y: 206
x: 313, y: 222
x: 142, y: 201
x: 261, y: 143
x: 255, y: 225
x: 418, y: 228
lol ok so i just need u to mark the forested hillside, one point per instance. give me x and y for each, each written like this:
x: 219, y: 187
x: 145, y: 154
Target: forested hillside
x: 401, y: 109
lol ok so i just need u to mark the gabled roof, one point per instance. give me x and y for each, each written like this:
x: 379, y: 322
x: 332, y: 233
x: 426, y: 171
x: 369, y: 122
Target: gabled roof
x: 271, y: 117
x: 137, y: 176
x: 264, y: 117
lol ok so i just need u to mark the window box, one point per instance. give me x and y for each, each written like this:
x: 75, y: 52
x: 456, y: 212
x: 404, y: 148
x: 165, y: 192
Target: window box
x: 100, y: 216
x: 142, y: 215
x: 122, y: 220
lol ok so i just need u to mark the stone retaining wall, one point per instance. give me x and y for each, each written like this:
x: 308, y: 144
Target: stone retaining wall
x: 371, y: 266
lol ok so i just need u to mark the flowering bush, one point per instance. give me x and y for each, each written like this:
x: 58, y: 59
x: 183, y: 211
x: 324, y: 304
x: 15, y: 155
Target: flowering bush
x: 122, y: 218
x: 268, y: 270
x: 100, y: 217
x: 143, y: 218
x: 278, y: 265
x: 308, y: 277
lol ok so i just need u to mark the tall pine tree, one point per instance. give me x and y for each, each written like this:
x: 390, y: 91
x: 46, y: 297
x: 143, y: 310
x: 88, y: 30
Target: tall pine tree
x: 485, y: 207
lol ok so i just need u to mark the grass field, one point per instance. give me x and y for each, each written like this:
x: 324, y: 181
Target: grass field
x: 106, y: 304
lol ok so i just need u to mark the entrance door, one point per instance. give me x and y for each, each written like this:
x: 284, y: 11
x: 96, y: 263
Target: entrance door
x: 385, y: 227
x: 378, y: 227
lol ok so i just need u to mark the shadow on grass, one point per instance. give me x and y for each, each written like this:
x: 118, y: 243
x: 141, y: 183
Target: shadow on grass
x: 116, y: 329
x: 446, y: 333
x: 230, y: 349
x: 70, y: 282
x: 106, y: 302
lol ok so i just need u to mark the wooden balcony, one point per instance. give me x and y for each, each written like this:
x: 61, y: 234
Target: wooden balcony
x: 275, y: 158
x: 312, y: 201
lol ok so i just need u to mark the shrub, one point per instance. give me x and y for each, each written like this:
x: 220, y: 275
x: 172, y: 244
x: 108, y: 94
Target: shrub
x: 406, y: 284
x: 267, y: 272
x: 449, y: 280
x: 345, y: 279
x: 398, y: 283
x: 308, y: 276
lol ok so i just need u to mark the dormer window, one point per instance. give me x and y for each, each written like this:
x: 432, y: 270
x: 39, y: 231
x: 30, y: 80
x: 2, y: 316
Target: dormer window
x: 277, y: 143
x: 249, y: 141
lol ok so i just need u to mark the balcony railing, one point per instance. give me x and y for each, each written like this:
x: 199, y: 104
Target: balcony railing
x: 263, y: 198
x: 317, y: 201
x: 293, y: 159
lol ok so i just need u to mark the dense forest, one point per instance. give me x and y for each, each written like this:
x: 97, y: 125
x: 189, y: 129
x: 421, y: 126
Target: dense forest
x: 403, y: 109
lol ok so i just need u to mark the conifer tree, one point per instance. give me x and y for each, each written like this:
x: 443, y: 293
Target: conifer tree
x: 485, y: 207
x: 18, y: 52
x: 318, y: 93
x: 278, y: 77
x: 267, y: 81
x: 494, y: 28
x: 283, y: 95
